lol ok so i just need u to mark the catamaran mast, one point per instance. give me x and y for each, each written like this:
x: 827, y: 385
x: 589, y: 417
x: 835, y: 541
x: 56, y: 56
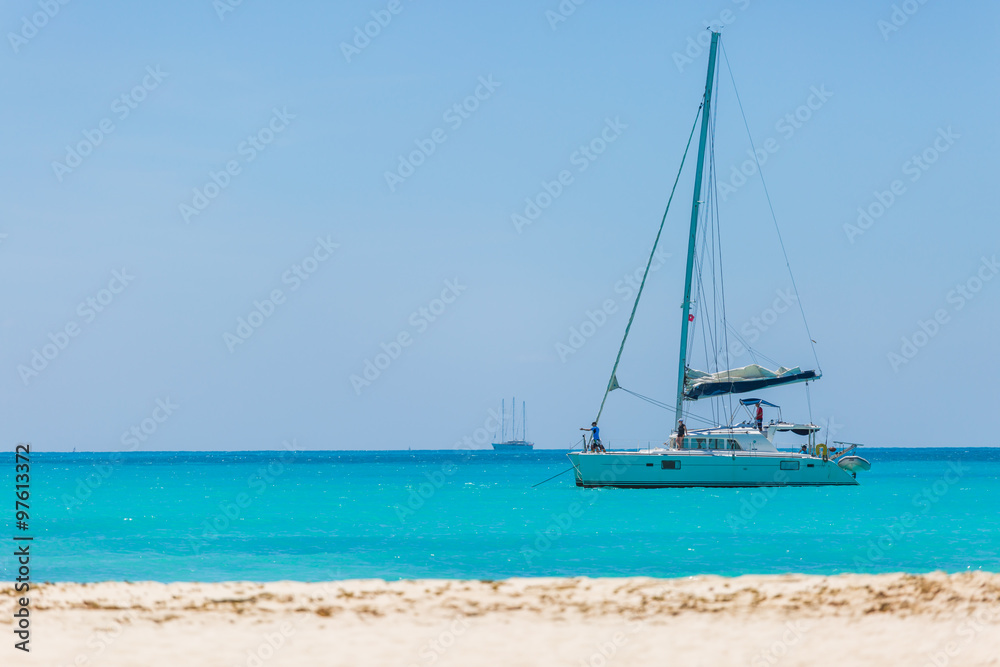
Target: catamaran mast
x: 686, y: 307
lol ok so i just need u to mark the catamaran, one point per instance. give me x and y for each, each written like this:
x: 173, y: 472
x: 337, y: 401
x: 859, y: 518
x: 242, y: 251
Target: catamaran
x: 515, y: 444
x: 742, y: 450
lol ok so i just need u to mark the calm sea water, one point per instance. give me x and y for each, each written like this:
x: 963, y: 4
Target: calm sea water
x: 337, y: 515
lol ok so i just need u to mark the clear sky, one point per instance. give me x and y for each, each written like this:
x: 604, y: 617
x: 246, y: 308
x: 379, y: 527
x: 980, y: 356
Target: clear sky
x: 176, y: 164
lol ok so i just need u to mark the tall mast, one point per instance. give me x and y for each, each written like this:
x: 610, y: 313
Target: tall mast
x: 503, y: 421
x: 524, y: 423
x: 703, y: 140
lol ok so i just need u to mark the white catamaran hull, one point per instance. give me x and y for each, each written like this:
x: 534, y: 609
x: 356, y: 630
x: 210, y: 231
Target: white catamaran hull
x: 679, y: 468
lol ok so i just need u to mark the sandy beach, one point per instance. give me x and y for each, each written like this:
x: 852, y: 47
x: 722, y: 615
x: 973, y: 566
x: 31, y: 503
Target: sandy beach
x: 893, y: 619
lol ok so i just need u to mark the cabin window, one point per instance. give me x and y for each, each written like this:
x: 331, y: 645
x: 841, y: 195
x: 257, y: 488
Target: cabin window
x: 699, y: 443
x: 789, y: 465
x: 670, y: 465
x: 732, y: 444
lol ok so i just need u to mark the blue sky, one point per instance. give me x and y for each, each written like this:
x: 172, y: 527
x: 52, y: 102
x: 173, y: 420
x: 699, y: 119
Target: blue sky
x: 214, y: 157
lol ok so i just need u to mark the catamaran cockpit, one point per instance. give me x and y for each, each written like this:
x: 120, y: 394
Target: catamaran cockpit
x: 745, y: 436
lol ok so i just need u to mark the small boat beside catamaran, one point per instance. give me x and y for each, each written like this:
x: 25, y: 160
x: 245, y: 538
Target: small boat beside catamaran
x: 515, y: 444
x: 742, y: 451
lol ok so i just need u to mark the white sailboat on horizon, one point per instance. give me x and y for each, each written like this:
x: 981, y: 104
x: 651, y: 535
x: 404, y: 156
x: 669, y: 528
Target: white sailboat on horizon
x: 741, y: 452
x: 515, y: 444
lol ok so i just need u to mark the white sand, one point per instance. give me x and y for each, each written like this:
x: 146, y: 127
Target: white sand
x: 755, y: 620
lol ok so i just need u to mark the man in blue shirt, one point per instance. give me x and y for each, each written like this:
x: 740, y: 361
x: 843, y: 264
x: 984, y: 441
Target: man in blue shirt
x: 595, y: 432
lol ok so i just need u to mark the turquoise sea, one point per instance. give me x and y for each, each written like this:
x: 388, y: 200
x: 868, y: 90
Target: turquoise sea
x: 457, y: 514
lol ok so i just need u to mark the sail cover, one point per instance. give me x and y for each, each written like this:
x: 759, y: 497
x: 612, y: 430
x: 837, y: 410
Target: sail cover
x: 740, y: 380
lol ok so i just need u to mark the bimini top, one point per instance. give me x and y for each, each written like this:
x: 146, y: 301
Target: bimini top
x: 797, y: 429
x: 755, y: 401
x: 698, y: 384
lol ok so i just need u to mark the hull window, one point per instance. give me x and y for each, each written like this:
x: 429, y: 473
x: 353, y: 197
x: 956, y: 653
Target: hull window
x: 710, y: 443
x: 670, y: 465
x: 789, y: 465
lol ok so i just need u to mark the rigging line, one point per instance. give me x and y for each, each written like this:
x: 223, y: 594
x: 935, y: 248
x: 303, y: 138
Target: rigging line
x: 809, y: 403
x: 696, y: 327
x: 701, y: 321
x: 704, y: 317
x: 743, y: 341
x: 709, y: 223
x: 754, y: 353
x: 700, y: 301
x: 710, y: 245
x: 576, y: 443
x: 709, y: 240
x: 553, y: 477
x: 712, y: 242
x: 671, y: 408
x: 652, y: 253
x: 708, y: 332
x: 705, y: 329
x: 746, y: 124
x: 728, y: 399
x: 710, y: 230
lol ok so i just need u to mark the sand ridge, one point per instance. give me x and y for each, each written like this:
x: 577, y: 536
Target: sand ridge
x: 636, y: 597
x: 933, y: 619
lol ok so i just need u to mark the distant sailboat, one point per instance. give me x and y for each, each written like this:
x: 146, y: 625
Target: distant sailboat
x: 514, y: 444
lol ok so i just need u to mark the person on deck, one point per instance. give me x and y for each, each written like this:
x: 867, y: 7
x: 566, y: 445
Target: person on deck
x: 760, y: 418
x: 681, y: 432
x: 595, y: 437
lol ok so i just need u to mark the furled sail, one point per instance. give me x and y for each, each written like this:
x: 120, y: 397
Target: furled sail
x: 740, y: 380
